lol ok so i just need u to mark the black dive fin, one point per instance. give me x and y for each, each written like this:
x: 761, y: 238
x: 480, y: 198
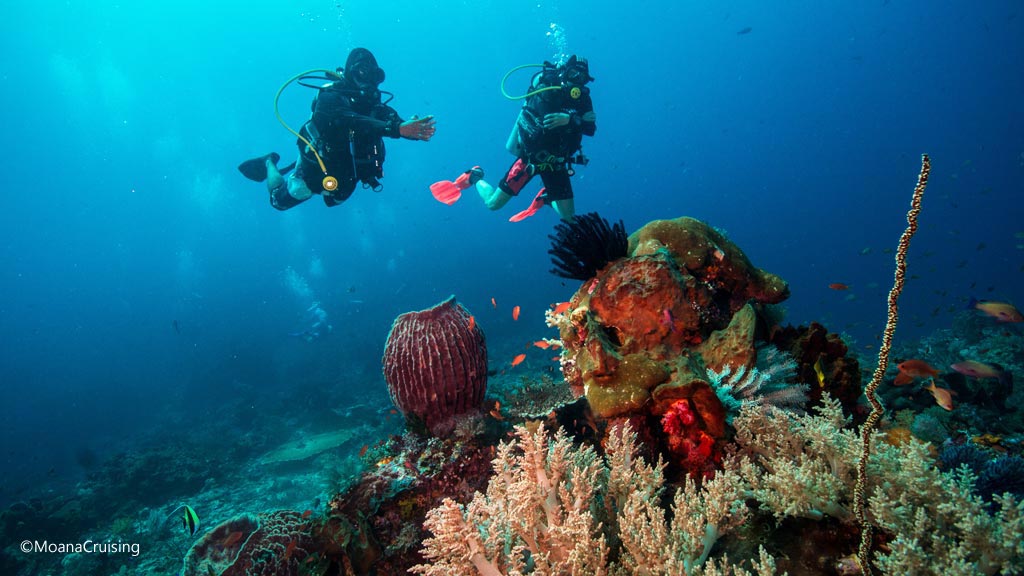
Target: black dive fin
x: 256, y: 168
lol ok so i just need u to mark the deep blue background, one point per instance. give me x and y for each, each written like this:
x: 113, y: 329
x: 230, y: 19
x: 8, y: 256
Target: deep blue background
x: 123, y: 211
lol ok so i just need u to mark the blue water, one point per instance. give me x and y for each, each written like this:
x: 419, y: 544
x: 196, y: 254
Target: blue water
x: 145, y: 282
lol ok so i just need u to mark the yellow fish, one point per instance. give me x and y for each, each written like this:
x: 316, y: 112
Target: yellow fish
x: 819, y: 372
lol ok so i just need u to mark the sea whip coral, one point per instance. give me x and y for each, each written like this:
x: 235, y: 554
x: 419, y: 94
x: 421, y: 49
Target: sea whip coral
x: 435, y: 364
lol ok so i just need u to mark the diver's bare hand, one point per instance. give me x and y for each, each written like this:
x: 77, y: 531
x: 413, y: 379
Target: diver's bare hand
x: 418, y: 128
x: 555, y: 119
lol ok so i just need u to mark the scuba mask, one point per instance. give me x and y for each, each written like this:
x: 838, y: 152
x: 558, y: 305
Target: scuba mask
x: 366, y: 76
x: 362, y: 71
x: 575, y: 72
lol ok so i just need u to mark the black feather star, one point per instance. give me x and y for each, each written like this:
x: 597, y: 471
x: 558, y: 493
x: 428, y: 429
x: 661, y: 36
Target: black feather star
x: 582, y: 247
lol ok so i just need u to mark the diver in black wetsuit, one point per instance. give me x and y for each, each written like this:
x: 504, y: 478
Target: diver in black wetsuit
x: 546, y: 140
x: 342, y: 143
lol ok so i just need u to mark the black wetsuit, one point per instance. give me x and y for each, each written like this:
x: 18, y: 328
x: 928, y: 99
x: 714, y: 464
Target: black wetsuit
x: 344, y: 121
x: 549, y: 152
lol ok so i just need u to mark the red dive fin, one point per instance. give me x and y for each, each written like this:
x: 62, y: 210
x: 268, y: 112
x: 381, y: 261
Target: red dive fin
x: 446, y: 191
x: 537, y: 204
x: 449, y: 192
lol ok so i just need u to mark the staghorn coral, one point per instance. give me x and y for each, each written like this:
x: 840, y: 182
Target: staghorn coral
x: 542, y: 514
x: 582, y: 247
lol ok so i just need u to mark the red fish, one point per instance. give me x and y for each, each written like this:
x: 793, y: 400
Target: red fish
x: 1001, y: 311
x: 496, y: 411
x: 838, y: 286
x: 518, y: 359
x: 307, y: 514
x: 542, y: 344
x: 494, y: 303
x: 362, y: 451
x: 472, y: 322
x: 561, y: 307
x: 290, y: 550
x: 515, y: 313
x: 911, y: 370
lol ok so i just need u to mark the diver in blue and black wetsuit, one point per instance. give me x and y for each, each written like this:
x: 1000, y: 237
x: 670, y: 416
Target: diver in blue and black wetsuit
x: 546, y: 140
x: 342, y: 143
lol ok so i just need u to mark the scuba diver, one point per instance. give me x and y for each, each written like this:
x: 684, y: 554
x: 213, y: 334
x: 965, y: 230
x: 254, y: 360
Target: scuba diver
x: 319, y: 327
x: 342, y: 143
x: 546, y: 139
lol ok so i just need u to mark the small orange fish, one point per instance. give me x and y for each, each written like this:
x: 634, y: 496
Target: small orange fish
x: 518, y: 359
x: 1001, y: 311
x: 943, y: 397
x: 556, y: 358
x: 542, y: 344
x: 561, y: 307
x: 515, y: 313
x: 472, y: 322
x: 362, y: 451
x: 307, y: 514
x: 290, y: 550
x: 494, y: 303
x: 911, y: 370
x: 496, y: 411
x: 838, y: 286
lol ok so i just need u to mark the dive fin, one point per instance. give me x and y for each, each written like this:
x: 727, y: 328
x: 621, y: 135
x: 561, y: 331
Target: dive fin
x: 449, y: 192
x: 537, y: 204
x: 256, y: 168
x: 446, y: 191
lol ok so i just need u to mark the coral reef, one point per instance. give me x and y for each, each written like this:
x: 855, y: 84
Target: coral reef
x: 582, y: 247
x: 813, y: 344
x: 268, y: 544
x: 638, y: 336
x: 435, y: 365
x: 543, y: 513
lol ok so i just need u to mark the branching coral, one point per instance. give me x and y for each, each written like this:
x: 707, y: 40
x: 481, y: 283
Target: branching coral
x: 805, y: 466
x: 582, y: 247
x: 541, y: 514
x: 535, y: 517
x: 798, y: 465
x: 941, y: 525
